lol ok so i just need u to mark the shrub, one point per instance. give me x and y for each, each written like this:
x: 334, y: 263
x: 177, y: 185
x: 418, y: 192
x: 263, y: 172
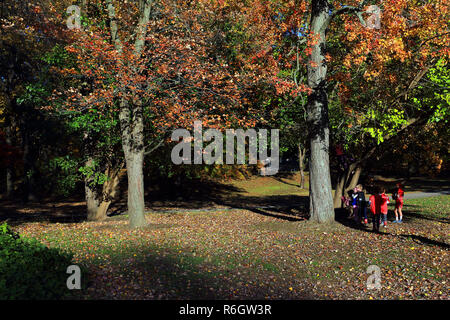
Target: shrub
x: 30, y: 270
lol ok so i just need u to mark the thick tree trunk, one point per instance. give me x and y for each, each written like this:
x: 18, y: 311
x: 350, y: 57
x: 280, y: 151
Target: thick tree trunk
x: 91, y: 195
x: 92, y: 202
x: 136, y: 205
x: 133, y: 125
x: 321, y: 201
x: 133, y: 147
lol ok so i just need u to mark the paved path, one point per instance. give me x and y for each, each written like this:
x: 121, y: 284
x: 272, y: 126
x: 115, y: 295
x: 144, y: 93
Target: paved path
x: 422, y: 194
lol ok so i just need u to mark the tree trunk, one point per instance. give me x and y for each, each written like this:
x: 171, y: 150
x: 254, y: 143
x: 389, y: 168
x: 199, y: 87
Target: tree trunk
x: 110, y: 190
x: 321, y: 200
x: 339, y: 190
x: 98, y: 204
x: 355, y: 178
x: 133, y: 125
x: 92, y: 202
x: 91, y: 195
x: 344, y: 183
x: 29, y: 159
x: 133, y: 147
x: 9, y: 167
x: 301, y: 161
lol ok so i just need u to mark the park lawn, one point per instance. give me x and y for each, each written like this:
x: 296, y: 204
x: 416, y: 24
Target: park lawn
x: 280, y: 185
x: 241, y: 254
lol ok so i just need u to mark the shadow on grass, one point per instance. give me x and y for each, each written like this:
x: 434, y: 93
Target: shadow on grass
x: 341, y: 217
x: 285, y: 207
x: 197, y: 195
x: 162, y: 273
x: 287, y: 175
x: 16, y: 213
x: 412, y: 215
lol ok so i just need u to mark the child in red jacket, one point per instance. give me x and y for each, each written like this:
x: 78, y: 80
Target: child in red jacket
x: 375, y: 208
x: 398, y: 197
x: 384, y: 206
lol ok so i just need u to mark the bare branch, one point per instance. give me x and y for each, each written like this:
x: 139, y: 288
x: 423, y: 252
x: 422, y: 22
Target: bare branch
x: 147, y: 152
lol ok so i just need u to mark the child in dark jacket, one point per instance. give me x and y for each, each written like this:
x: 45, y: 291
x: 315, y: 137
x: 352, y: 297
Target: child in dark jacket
x: 355, y: 204
x: 361, y: 204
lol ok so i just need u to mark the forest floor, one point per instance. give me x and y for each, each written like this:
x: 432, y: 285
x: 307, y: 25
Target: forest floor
x: 248, y: 248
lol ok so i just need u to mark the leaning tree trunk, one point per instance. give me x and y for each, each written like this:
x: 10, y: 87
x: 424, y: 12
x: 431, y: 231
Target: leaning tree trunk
x: 355, y: 178
x: 133, y: 147
x: 321, y: 201
x: 339, y: 190
x: 301, y: 161
x: 98, y: 202
x: 344, y: 183
x: 110, y: 189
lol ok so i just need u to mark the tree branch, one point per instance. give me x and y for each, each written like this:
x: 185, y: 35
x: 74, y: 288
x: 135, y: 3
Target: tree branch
x: 351, y: 9
x: 147, y: 152
x: 113, y: 26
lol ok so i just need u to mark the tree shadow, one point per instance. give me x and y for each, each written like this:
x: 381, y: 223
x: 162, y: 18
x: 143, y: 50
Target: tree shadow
x: 412, y: 184
x: 424, y: 240
x: 285, y: 207
x: 183, y: 275
x: 280, y: 179
x: 412, y: 215
x: 68, y: 211
x: 194, y: 195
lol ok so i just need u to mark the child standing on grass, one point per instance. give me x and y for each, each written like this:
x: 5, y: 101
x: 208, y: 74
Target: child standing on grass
x: 361, y: 204
x: 375, y: 208
x: 355, y: 204
x: 384, y: 206
x: 398, y: 197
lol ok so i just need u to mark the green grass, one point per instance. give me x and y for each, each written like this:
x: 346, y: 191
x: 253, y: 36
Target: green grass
x: 271, y: 186
x: 237, y: 254
x: 430, y: 208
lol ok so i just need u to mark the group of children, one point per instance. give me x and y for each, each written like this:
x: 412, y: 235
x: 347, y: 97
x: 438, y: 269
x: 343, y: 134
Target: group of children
x: 378, y: 204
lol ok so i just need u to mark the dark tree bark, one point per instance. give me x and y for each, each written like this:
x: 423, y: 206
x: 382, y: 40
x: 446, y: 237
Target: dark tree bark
x: 29, y: 160
x: 91, y: 195
x: 321, y: 201
x: 347, y: 180
x: 9, y: 168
